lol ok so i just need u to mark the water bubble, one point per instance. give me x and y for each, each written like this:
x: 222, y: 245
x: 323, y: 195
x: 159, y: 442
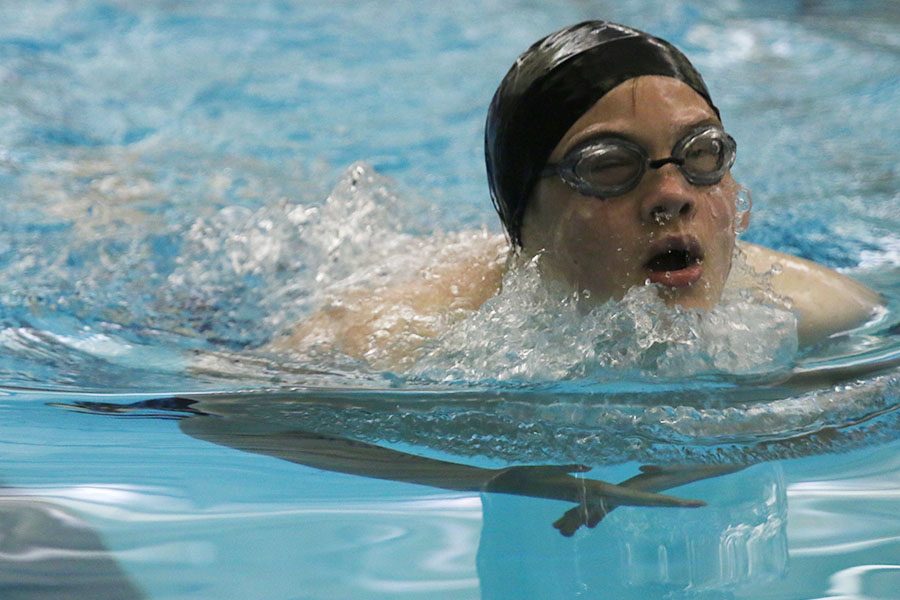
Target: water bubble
x: 743, y: 205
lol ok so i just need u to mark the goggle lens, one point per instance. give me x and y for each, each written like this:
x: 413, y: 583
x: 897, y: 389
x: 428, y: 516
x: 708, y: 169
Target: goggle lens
x: 706, y: 157
x: 613, y: 166
x: 609, y: 166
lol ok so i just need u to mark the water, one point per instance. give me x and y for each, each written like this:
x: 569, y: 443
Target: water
x: 183, y: 183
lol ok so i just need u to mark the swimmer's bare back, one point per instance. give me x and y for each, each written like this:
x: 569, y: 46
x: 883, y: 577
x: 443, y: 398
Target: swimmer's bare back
x: 387, y: 326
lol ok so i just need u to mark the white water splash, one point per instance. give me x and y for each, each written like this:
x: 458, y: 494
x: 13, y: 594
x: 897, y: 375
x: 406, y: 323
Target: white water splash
x: 532, y: 332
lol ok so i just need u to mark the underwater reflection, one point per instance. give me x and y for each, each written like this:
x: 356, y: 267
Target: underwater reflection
x: 270, y: 432
x: 726, y: 527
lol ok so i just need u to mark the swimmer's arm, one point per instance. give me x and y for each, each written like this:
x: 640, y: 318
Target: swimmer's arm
x: 825, y: 301
x: 332, y: 453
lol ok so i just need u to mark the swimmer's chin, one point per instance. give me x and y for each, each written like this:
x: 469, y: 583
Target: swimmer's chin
x: 694, y: 296
x: 697, y: 296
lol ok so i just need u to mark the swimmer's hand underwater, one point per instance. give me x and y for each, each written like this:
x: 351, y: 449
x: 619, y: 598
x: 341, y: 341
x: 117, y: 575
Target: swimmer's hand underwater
x: 596, y: 498
x: 652, y: 479
x: 555, y: 482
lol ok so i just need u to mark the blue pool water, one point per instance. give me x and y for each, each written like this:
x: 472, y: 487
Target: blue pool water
x: 183, y: 181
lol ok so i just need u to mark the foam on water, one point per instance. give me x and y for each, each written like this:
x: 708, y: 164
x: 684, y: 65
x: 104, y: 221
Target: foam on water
x: 532, y: 331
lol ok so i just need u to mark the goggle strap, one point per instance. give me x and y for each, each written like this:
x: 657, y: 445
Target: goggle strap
x: 551, y: 169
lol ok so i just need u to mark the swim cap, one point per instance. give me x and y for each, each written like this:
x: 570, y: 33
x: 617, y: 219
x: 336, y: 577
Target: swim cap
x: 549, y: 87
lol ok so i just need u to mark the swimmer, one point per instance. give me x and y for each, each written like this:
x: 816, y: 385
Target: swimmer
x: 607, y: 161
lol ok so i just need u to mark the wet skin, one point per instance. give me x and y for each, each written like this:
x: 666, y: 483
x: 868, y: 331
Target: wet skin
x: 604, y: 245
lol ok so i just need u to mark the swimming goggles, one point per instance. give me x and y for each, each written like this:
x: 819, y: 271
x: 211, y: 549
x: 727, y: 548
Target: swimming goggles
x: 612, y: 166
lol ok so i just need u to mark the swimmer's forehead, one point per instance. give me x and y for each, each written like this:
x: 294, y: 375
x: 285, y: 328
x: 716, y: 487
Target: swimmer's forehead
x: 649, y: 110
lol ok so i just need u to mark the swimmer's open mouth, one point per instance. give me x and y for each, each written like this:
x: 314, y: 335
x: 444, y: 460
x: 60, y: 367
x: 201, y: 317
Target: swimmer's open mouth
x: 675, y: 261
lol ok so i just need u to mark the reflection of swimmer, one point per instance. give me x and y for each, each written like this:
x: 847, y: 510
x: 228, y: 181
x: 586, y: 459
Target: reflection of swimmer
x: 607, y: 159
x: 238, y: 422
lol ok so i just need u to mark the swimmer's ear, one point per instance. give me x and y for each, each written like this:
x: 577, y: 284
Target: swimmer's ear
x: 742, y: 221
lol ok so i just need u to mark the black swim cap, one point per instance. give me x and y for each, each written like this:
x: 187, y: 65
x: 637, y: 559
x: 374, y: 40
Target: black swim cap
x: 549, y: 87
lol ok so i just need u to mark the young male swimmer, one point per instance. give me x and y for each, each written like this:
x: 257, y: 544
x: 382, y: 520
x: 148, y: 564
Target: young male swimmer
x: 607, y: 158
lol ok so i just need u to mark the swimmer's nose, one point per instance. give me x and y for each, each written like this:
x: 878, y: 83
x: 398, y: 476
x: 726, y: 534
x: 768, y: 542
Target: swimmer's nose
x: 669, y: 198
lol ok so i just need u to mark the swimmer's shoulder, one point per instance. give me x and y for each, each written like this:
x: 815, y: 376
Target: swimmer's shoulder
x: 470, y: 271
x: 825, y: 301
x: 387, y: 324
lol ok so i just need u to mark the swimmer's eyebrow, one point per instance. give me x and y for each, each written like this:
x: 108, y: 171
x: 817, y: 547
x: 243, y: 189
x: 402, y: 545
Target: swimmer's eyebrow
x: 594, y: 135
x: 598, y: 134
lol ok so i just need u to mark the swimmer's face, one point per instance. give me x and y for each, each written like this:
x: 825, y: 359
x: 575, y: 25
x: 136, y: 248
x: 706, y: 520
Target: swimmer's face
x: 606, y: 246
